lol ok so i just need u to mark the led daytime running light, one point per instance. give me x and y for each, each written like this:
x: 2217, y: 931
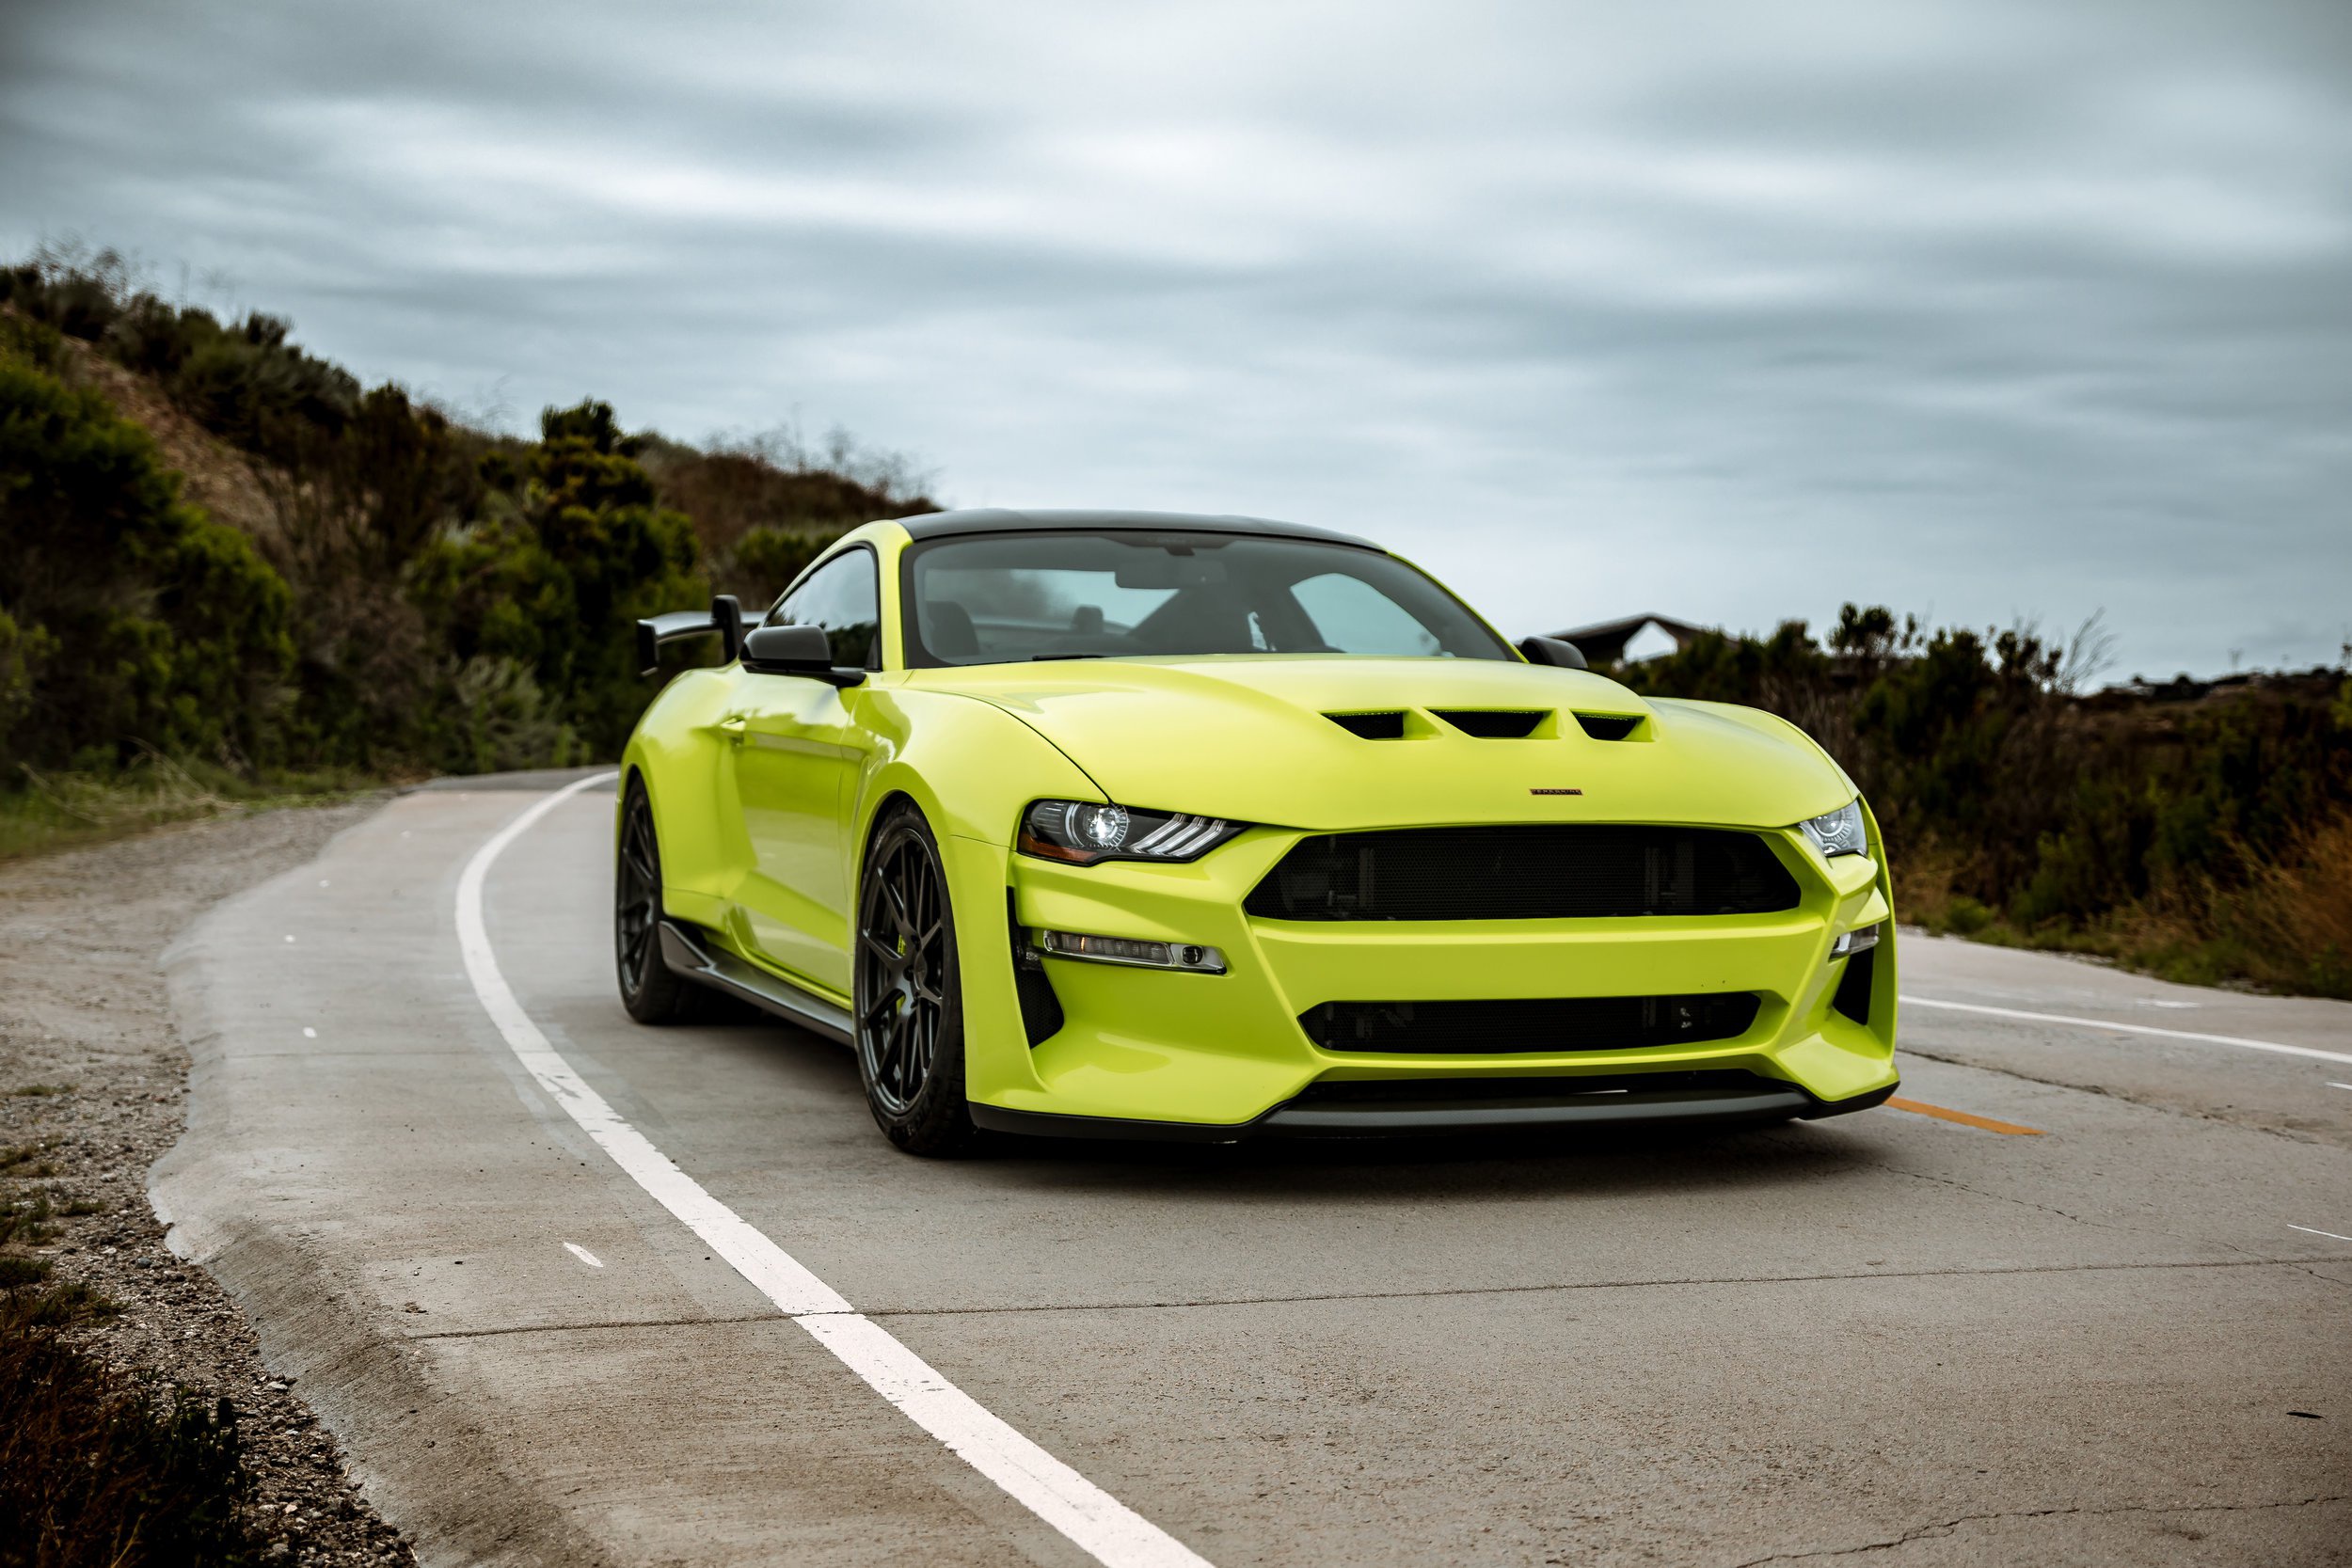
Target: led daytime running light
x: 1860, y: 940
x: 1190, y: 957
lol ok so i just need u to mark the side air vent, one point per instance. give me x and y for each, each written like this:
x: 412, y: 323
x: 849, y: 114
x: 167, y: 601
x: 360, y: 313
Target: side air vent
x: 1610, y: 726
x: 1040, y: 1009
x: 1493, y: 724
x: 1372, y: 726
x: 1853, y: 987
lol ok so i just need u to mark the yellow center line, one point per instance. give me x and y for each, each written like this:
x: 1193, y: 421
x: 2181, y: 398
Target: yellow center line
x: 1921, y: 1107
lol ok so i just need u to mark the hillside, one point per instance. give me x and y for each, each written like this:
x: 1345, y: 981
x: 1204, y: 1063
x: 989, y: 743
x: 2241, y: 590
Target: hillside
x: 226, y: 553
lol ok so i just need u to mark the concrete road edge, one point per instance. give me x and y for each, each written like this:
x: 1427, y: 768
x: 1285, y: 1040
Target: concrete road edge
x: 437, y: 1477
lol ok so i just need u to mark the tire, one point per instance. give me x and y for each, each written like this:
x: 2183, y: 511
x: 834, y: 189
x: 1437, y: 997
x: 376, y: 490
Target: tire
x: 650, y: 993
x: 908, y: 994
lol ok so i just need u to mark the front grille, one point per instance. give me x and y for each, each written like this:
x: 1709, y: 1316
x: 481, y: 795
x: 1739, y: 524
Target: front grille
x: 1565, y: 1024
x: 1538, y: 872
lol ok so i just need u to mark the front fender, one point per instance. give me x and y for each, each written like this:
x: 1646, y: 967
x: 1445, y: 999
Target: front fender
x: 970, y: 768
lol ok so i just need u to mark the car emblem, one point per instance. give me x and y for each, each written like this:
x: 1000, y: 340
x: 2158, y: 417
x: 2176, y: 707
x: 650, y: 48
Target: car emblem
x: 1561, y: 791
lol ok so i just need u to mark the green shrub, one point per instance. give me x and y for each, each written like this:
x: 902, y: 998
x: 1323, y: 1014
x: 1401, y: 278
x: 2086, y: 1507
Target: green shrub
x: 131, y: 619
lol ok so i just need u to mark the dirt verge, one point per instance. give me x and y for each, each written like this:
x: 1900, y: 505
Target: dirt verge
x: 92, y: 1082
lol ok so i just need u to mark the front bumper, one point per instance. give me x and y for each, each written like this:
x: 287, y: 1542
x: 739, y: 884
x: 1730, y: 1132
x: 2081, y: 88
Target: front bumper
x: 1568, y: 1106
x: 1221, y: 1057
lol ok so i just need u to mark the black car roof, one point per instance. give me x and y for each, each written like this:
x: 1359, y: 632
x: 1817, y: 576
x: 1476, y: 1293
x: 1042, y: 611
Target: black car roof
x: 998, y: 519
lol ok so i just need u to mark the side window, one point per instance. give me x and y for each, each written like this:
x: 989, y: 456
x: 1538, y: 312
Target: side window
x: 841, y: 597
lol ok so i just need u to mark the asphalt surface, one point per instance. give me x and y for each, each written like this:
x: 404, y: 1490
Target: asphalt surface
x: 1893, y: 1334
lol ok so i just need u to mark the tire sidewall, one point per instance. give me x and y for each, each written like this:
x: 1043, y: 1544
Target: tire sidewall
x: 652, y: 994
x: 937, y: 1120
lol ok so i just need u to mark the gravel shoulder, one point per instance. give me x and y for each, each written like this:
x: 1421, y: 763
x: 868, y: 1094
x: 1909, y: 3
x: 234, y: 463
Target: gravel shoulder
x: 93, y: 1086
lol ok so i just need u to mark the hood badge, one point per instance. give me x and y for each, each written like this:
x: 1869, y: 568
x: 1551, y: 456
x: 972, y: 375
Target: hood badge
x: 1555, y: 792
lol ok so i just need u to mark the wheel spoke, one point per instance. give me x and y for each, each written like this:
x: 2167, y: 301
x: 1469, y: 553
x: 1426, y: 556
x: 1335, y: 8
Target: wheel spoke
x: 897, y: 907
x: 896, y: 1073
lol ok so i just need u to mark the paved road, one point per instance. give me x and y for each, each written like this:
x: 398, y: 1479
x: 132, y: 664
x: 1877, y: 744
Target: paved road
x: 1891, y: 1333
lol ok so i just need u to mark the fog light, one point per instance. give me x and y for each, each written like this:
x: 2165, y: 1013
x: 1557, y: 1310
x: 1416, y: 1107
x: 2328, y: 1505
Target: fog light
x: 1860, y: 940
x: 1185, y: 955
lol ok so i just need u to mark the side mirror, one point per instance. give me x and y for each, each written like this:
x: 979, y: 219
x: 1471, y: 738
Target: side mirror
x: 795, y: 651
x: 1552, y: 651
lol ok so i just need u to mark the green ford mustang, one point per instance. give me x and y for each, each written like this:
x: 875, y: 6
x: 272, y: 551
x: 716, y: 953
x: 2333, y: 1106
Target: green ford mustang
x: 1142, y: 825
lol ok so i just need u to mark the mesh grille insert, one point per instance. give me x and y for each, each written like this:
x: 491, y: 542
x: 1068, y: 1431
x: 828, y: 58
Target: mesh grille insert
x: 1552, y: 871
x: 1567, y: 1023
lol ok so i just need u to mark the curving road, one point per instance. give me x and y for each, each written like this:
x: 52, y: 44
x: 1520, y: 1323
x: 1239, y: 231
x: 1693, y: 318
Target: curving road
x: 1920, y: 1338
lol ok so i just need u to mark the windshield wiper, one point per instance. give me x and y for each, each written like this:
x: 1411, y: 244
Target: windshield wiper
x: 1039, y: 658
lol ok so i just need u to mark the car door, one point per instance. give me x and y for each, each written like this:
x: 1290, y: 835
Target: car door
x: 797, y: 750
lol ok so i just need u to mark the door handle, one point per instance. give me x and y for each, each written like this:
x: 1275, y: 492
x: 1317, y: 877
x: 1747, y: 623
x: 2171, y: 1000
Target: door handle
x: 732, y: 727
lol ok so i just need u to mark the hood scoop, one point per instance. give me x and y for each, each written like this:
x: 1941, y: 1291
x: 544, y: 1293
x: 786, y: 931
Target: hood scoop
x: 1613, y: 726
x: 1485, y: 723
x: 1494, y: 723
x: 1389, y: 725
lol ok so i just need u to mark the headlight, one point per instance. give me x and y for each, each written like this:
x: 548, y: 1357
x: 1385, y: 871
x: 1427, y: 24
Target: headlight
x: 1082, y: 833
x: 1840, y: 833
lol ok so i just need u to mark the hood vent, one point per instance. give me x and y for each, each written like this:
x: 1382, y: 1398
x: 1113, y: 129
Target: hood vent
x: 1493, y: 724
x: 1372, y: 726
x: 1610, y: 726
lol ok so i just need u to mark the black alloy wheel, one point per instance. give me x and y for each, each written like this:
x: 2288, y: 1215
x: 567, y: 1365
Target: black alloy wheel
x: 650, y: 993
x: 908, y: 994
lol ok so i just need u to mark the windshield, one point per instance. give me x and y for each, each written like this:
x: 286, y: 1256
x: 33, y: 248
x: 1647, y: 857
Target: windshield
x: 1000, y: 598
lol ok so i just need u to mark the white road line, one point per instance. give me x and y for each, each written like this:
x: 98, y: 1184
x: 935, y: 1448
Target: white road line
x: 1106, y: 1528
x: 2333, y: 1085
x: 574, y: 1247
x: 1910, y: 1001
x: 2329, y: 1234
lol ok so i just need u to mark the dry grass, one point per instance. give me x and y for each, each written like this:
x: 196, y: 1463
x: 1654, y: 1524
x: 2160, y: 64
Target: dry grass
x: 100, y: 1468
x: 2285, y: 926
x: 2292, y: 919
x: 60, y: 810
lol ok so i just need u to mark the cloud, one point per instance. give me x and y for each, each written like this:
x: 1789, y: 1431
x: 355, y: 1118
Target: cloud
x: 1989, y: 309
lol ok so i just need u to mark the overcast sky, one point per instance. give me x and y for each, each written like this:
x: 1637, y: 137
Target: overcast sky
x: 1982, y: 310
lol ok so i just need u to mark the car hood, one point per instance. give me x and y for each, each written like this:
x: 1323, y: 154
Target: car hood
x: 1249, y: 739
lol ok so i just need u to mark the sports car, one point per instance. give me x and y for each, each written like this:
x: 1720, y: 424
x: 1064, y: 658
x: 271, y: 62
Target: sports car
x: 1159, y: 826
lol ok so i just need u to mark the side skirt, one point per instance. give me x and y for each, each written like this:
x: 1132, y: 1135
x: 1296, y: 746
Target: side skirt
x: 690, y: 956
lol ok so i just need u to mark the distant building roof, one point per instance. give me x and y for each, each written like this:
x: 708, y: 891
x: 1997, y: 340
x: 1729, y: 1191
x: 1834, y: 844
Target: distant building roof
x: 1604, y: 641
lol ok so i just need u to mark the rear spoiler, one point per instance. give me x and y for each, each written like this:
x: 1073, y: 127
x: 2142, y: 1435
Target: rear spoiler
x: 724, y: 616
